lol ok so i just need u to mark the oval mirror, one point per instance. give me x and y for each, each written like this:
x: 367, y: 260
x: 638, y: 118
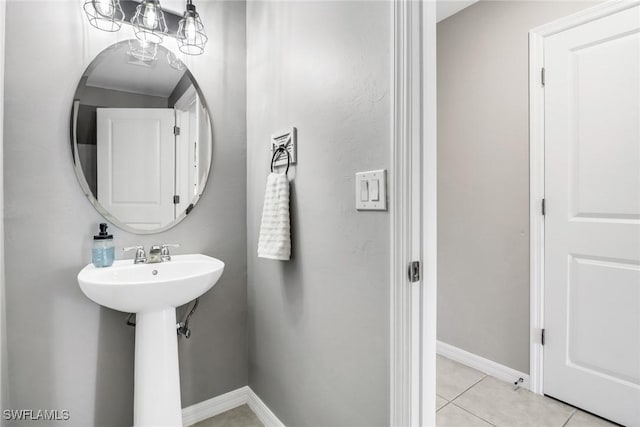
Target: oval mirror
x: 141, y: 137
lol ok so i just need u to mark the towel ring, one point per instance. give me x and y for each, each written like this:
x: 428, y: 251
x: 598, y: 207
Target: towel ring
x: 275, y: 153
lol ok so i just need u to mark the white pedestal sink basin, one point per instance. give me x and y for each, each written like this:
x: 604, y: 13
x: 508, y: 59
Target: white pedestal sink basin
x: 153, y: 291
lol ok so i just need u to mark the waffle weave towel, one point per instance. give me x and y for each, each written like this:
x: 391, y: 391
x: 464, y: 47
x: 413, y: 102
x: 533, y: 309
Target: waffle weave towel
x: 275, y: 230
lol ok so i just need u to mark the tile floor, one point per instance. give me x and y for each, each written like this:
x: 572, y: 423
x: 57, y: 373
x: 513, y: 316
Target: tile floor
x: 242, y: 416
x: 467, y: 398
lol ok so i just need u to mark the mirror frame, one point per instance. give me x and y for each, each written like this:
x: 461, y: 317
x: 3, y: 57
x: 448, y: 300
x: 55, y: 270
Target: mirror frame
x: 78, y: 167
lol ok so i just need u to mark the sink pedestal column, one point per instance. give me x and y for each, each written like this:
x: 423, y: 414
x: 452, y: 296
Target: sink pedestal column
x: 156, y: 400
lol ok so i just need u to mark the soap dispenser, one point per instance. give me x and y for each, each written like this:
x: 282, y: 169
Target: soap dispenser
x: 103, y: 252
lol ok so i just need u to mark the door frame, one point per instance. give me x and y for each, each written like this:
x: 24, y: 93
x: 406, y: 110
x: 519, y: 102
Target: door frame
x: 187, y: 100
x: 537, y: 170
x: 412, y: 182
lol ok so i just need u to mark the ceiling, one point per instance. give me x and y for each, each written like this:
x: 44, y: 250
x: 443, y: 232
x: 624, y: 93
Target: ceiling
x: 446, y: 8
x: 116, y: 69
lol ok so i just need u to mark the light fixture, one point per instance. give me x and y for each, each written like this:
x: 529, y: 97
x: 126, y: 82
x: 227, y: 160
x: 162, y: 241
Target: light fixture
x: 148, y: 22
x: 175, y: 62
x: 106, y: 15
x: 143, y: 51
x: 191, y: 35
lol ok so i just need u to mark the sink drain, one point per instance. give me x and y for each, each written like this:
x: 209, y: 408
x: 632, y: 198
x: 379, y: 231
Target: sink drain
x: 154, y: 272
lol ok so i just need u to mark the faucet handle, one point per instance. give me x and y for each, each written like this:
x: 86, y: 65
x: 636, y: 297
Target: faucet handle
x: 141, y: 257
x: 164, y: 251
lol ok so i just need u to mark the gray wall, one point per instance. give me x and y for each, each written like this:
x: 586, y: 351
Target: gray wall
x: 319, y: 324
x: 99, y: 97
x: 4, y: 395
x: 65, y: 351
x: 181, y: 87
x: 483, y: 176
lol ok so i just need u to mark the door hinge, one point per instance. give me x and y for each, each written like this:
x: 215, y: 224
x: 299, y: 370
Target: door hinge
x: 544, y: 207
x: 176, y: 199
x: 542, y: 337
x: 543, y: 76
x: 414, y: 271
x: 176, y: 130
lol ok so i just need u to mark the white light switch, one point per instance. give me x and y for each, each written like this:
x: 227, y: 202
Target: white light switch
x: 371, y: 190
x: 364, y: 191
x: 375, y: 190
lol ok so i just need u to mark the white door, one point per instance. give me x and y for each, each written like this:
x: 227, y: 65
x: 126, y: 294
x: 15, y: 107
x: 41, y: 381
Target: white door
x: 592, y: 224
x: 136, y: 152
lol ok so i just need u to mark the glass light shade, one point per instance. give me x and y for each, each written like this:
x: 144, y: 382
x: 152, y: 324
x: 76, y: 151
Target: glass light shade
x: 175, y: 62
x: 106, y: 15
x: 191, y: 35
x: 148, y: 23
x: 143, y: 51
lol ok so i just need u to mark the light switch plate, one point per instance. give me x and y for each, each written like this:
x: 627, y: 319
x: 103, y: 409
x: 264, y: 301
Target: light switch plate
x: 368, y: 180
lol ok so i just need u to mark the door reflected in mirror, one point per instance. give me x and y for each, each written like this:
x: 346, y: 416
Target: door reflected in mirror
x: 141, y: 138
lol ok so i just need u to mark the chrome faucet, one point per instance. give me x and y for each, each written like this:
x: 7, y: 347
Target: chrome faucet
x: 154, y: 255
x: 157, y: 253
x: 141, y: 257
x: 164, y: 251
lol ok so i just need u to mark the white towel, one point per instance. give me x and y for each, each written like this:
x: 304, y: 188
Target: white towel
x: 275, y: 230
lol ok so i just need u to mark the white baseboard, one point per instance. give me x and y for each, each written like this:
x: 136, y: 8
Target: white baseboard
x: 487, y: 366
x: 214, y: 406
x: 262, y: 411
x: 225, y: 402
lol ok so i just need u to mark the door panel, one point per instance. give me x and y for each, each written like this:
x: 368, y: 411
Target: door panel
x: 136, y: 165
x: 606, y: 109
x: 599, y: 344
x: 592, y: 226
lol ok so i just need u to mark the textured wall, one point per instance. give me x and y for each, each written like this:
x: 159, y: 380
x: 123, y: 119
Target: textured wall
x: 483, y: 176
x: 319, y: 324
x: 65, y: 351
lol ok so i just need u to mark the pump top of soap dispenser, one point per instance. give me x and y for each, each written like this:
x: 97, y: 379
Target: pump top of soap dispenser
x: 103, y: 235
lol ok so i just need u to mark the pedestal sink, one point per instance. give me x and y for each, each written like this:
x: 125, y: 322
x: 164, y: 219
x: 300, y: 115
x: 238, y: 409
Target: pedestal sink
x: 153, y: 291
